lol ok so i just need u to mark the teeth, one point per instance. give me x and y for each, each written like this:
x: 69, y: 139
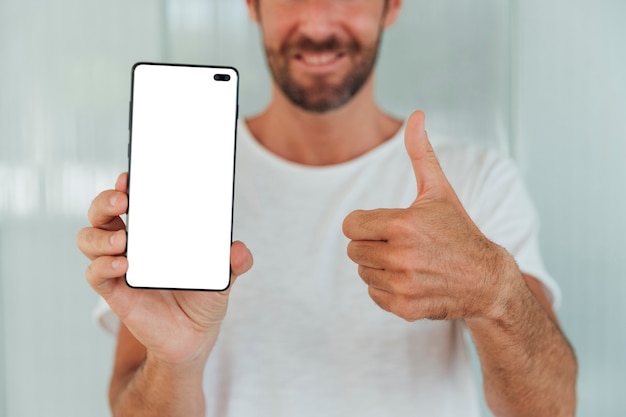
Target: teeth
x: 317, y: 59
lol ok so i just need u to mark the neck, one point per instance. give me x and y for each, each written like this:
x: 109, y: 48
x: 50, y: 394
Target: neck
x: 323, y: 138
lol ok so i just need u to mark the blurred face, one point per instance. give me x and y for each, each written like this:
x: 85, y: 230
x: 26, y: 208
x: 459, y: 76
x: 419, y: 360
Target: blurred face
x: 321, y: 52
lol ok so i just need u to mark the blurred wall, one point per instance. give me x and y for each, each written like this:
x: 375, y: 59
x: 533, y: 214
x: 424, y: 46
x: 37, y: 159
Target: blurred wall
x: 63, y: 85
x: 543, y: 81
x: 570, y: 138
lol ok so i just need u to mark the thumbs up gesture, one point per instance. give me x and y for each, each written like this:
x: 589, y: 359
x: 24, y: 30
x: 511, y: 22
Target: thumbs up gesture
x: 429, y: 260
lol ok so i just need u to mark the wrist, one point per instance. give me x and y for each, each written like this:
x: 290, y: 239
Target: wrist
x: 190, y: 351
x: 192, y: 368
x: 158, y: 388
x: 508, y: 284
x: 183, y: 361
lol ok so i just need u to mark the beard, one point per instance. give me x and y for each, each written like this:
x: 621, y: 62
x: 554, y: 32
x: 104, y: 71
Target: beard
x: 320, y: 94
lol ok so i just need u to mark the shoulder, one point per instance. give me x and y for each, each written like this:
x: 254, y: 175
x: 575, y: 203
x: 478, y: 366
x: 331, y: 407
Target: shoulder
x: 475, y: 170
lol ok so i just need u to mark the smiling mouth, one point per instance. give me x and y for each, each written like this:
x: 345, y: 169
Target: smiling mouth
x: 319, y: 59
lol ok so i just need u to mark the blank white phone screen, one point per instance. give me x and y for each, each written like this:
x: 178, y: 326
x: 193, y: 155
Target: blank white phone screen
x: 181, y: 174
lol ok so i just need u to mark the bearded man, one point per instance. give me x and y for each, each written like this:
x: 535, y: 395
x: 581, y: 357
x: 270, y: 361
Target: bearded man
x: 447, y: 244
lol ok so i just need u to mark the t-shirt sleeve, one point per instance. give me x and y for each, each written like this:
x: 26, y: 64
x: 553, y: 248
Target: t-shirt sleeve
x: 500, y: 205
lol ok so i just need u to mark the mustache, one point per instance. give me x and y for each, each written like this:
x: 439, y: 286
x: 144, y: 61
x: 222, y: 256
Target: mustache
x: 332, y: 44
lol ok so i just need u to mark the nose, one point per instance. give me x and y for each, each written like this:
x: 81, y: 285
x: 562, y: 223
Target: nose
x: 317, y: 19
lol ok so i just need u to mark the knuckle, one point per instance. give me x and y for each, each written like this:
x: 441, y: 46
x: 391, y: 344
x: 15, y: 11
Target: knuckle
x: 95, y: 242
x: 90, y: 274
x: 96, y: 206
x: 99, y: 241
x: 405, y: 286
x: 397, y: 259
x: 401, y: 224
x: 402, y: 259
x: 87, y: 241
x: 99, y: 276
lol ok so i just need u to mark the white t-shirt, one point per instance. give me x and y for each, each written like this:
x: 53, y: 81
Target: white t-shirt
x: 301, y: 336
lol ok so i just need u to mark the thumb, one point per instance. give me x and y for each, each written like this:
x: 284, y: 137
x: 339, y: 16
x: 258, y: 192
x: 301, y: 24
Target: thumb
x: 431, y: 181
x: 240, y: 259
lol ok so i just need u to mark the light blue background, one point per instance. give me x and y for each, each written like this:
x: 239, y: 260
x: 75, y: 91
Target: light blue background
x: 543, y: 81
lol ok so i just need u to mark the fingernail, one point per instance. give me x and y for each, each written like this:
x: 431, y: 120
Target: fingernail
x: 113, y: 199
x: 112, y: 239
x: 115, y: 264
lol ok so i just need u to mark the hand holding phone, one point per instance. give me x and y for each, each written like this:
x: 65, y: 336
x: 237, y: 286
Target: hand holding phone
x: 173, y: 325
x: 181, y: 176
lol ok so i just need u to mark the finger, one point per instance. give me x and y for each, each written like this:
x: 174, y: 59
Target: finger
x: 371, y: 224
x: 383, y: 299
x: 122, y: 182
x: 240, y: 259
x: 94, y: 242
x: 106, y: 209
x: 369, y: 253
x: 376, y: 278
x: 431, y: 181
x: 403, y: 307
x: 393, y: 282
x: 406, y: 309
x: 105, y: 272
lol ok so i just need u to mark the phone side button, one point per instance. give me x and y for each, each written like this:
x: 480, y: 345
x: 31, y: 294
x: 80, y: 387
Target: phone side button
x: 128, y: 150
x: 130, y: 114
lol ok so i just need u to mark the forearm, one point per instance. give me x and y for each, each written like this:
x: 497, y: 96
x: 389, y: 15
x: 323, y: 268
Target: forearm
x: 159, y: 389
x: 528, y: 366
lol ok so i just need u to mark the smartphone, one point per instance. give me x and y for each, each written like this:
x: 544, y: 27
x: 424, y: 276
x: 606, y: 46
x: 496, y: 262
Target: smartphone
x: 181, y: 156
